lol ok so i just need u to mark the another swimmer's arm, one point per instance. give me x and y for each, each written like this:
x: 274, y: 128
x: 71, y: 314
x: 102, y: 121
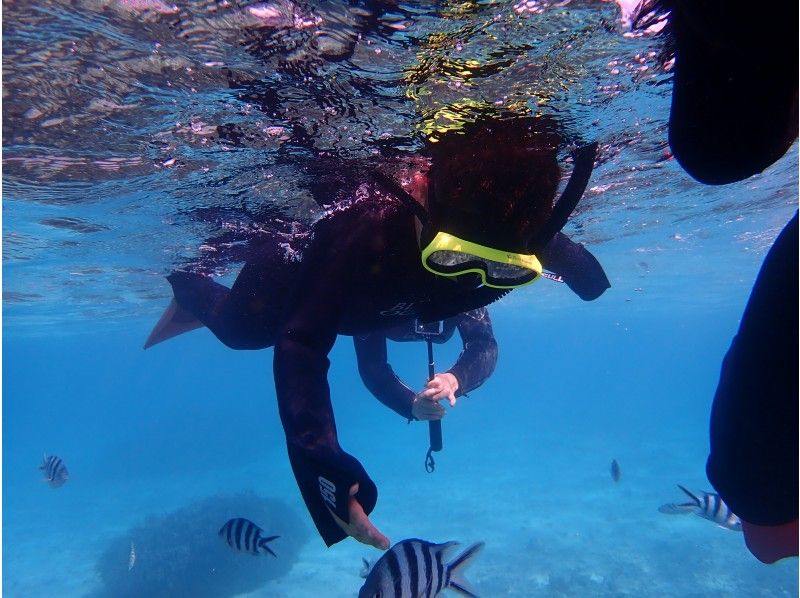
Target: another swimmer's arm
x: 329, y: 478
x: 479, y: 356
x: 379, y: 377
x: 336, y: 488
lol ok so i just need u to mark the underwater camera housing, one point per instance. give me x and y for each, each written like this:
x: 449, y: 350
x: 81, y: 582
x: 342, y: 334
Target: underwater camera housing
x: 428, y: 330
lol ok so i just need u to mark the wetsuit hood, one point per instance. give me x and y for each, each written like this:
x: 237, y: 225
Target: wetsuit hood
x: 579, y: 268
x: 584, y: 164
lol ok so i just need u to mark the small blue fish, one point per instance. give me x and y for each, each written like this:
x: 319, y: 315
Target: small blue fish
x: 55, y: 472
x: 416, y: 569
x: 615, y: 471
x: 706, y: 505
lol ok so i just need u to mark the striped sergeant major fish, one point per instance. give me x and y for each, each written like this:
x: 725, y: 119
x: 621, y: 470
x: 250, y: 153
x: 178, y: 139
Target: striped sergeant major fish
x: 245, y: 536
x: 708, y: 506
x: 416, y: 569
x: 55, y: 472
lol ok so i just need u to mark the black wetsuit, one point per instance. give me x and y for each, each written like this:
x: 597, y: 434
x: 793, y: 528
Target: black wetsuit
x: 473, y: 366
x: 754, y: 435
x: 720, y: 78
x: 357, y: 271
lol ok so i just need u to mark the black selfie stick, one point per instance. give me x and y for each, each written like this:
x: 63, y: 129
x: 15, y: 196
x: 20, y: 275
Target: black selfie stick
x: 434, y: 426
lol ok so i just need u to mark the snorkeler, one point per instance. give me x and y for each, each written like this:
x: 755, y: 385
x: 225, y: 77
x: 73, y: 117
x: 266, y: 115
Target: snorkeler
x: 733, y: 114
x: 473, y: 366
x: 483, y: 222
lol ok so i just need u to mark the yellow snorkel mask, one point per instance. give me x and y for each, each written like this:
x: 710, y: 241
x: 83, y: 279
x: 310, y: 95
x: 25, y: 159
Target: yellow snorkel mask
x: 447, y: 255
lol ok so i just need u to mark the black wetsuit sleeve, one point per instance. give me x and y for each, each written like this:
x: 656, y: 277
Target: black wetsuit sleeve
x: 324, y: 471
x: 753, y: 461
x: 379, y: 377
x: 479, y: 356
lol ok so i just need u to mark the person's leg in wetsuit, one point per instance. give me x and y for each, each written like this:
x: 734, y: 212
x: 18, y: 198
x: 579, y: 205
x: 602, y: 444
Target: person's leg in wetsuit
x: 734, y: 113
x: 246, y: 316
x: 754, y: 436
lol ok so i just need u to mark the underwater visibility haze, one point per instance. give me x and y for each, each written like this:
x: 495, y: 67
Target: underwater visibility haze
x: 142, y: 137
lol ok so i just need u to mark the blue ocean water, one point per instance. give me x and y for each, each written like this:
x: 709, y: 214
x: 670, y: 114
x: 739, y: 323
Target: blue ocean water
x: 127, y: 124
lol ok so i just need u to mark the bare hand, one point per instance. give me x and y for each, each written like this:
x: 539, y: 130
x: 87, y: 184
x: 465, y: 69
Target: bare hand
x: 441, y: 386
x: 360, y: 527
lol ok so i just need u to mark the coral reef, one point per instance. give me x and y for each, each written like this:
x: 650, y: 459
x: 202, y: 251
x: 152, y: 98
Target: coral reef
x: 180, y: 554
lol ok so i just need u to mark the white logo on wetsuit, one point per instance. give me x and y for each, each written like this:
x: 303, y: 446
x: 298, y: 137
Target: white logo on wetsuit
x: 328, y: 491
x: 400, y: 309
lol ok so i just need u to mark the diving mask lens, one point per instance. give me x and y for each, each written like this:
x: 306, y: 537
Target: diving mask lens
x: 447, y: 255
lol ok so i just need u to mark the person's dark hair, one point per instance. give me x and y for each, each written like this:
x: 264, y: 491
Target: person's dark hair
x: 494, y: 181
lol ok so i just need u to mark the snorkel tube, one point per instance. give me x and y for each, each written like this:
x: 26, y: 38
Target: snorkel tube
x: 584, y: 164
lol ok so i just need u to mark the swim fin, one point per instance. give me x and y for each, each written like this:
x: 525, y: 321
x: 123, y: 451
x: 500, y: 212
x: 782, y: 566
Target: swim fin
x: 577, y: 266
x: 174, y: 321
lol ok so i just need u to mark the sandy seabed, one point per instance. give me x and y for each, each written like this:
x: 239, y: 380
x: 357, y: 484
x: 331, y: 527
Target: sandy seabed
x: 554, y: 524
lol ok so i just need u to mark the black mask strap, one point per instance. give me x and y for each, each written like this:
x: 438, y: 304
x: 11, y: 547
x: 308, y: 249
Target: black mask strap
x: 397, y: 190
x: 584, y: 163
